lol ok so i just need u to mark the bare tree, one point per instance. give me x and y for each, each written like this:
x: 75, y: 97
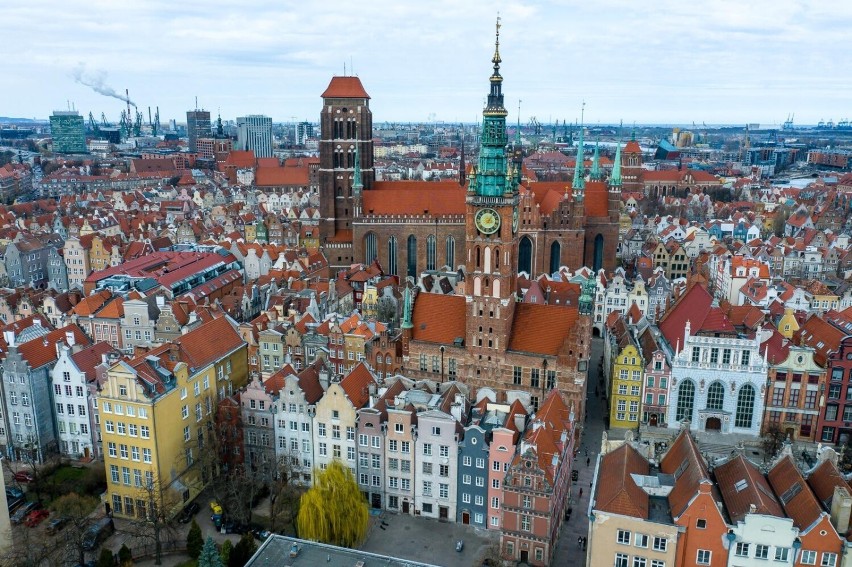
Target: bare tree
x: 156, y: 507
x: 77, y: 509
x: 29, y: 550
x: 283, y: 493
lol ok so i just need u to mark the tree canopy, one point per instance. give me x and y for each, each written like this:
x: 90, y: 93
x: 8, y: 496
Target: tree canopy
x: 334, y: 510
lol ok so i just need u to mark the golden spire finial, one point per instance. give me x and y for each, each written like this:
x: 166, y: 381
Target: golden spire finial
x: 496, y: 60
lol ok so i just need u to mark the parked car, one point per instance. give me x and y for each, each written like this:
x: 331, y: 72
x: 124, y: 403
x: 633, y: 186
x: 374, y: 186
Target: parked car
x: 97, y: 533
x: 24, y: 476
x: 14, y: 498
x: 294, y: 549
x: 36, y: 517
x: 188, y: 513
x: 22, y: 512
x: 56, y: 524
x: 233, y: 527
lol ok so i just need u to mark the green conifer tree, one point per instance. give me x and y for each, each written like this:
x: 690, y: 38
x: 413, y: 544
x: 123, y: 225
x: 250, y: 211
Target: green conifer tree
x: 194, y: 541
x: 209, y: 555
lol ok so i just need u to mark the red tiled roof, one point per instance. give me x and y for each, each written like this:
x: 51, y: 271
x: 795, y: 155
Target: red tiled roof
x: 541, y: 329
x: 209, y: 342
x: 617, y: 493
x: 275, y: 176
x: 415, y: 198
x: 801, y: 505
x: 823, y: 480
x: 552, y: 420
x: 596, y: 199
x: 356, y: 384
x: 742, y: 485
x: 42, y: 350
x: 684, y: 453
x: 91, y: 356
x: 439, y: 318
x: 345, y: 87
x: 693, y: 306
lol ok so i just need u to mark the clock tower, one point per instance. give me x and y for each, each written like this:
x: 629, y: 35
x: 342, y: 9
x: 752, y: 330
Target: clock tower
x: 491, y: 229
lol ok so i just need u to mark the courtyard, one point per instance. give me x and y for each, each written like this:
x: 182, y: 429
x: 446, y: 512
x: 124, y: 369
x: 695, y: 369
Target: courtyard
x: 428, y: 541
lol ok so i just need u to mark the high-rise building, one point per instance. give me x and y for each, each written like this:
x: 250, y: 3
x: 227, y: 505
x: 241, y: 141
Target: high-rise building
x: 304, y: 130
x: 197, y: 126
x: 254, y: 132
x: 68, y: 132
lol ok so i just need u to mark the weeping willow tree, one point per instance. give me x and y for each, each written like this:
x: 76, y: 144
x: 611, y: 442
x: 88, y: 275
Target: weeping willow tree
x: 334, y: 510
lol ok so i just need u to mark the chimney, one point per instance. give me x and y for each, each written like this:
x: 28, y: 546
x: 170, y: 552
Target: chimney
x: 841, y: 507
x: 9, y: 337
x: 519, y: 421
x: 323, y: 378
x: 69, y: 338
x: 161, y: 301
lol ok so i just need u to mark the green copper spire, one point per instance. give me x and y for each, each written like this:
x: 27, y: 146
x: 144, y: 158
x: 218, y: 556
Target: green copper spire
x: 357, y: 183
x: 490, y: 177
x: 579, y: 182
x: 406, y: 309
x: 587, y: 295
x: 615, y: 178
x: 596, y: 163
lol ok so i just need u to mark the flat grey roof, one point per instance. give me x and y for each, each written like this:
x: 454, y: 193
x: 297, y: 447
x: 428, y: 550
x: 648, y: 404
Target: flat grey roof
x: 276, y: 551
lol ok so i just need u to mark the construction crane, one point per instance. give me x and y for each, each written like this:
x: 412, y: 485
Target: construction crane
x: 155, y: 126
x: 137, y: 125
x: 104, y: 121
x: 125, y: 124
x: 94, y: 125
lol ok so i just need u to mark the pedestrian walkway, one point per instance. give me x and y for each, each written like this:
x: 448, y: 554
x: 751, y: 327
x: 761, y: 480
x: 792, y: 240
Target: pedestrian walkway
x: 568, y: 552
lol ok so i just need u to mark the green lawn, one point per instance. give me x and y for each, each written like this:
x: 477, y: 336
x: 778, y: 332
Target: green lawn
x: 66, y: 473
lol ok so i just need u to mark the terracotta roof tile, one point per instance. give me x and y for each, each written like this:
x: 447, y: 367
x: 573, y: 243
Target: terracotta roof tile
x: 823, y: 480
x: 684, y: 461
x: 345, y: 87
x: 742, y: 485
x: 209, y: 342
x: 796, y: 497
x: 357, y: 383
x: 414, y: 198
x: 42, y: 350
x: 541, y: 329
x: 693, y: 306
x: 439, y: 318
x: 617, y: 493
x: 91, y: 356
x: 596, y: 199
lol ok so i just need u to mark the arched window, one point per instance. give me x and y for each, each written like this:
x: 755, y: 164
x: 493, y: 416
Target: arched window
x: 496, y: 290
x: 412, y: 256
x: 392, y: 255
x: 370, y: 247
x: 388, y: 359
x: 685, y: 400
x: 477, y: 286
x: 478, y: 257
x: 451, y: 252
x: 431, y: 252
x: 525, y: 249
x: 487, y: 268
x: 555, y: 259
x: 745, y: 407
x: 715, y: 396
x: 597, y: 262
x: 496, y: 258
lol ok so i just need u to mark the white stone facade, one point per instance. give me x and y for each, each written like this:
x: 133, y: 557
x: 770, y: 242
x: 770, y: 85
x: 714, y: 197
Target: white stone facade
x: 718, y: 384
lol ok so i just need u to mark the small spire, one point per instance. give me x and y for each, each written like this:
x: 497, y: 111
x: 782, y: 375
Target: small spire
x: 357, y: 183
x: 406, y: 309
x: 579, y: 182
x: 596, y: 163
x: 615, y: 177
x: 496, y: 59
x: 462, y: 165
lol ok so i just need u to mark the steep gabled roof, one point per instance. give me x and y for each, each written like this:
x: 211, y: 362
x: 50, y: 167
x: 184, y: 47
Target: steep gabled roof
x: 541, y: 329
x: 742, y: 486
x: 617, y: 493
x: 796, y: 497
x: 345, y: 87
x: 685, y: 463
x: 439, y: 318
x: 357, y: 383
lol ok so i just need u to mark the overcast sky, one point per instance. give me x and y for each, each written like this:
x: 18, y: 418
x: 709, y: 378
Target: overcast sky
x: 665, y: 61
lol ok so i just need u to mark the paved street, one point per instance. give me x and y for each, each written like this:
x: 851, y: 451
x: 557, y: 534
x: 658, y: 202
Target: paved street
x: 568, y: 553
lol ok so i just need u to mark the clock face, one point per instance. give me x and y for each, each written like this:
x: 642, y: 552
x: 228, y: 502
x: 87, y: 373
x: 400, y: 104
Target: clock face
x: 515, y: 220
x: 487, y: 221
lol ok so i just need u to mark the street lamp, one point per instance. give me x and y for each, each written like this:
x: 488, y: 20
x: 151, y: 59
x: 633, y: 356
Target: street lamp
x: 442, y: 363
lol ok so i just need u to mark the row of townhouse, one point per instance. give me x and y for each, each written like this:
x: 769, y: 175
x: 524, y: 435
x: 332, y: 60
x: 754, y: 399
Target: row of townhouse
x: 420, y: 448
x: 618, y: 294
x: 680, y: 511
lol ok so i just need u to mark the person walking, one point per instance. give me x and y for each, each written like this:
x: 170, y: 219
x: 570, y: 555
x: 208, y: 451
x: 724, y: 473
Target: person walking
x: 588, y: 460
x: 581, y: 493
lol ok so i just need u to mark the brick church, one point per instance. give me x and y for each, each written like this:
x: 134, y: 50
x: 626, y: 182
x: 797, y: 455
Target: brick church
x: 489, y: 226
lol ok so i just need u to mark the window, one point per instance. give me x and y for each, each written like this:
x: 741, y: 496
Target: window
x: 406, y: 446
x: 828, y: 559
x: 640, y: 562
x: 112, y: 450
x: 622, y: 537
x: 621, y: 560
x: 397, y: 427
x: 444, y: 471
x: 761, y: 551
x: 745, y: 406
x: 742, y: 549
x: 466, y: 479
x: 809, y: 557
x: 146, y: 433
x: 443, y: 490
x: 703, y: 557
x: 526, y: 524
x: 657, y: 563
x: 641, y: 540
x: 146, y: 455
x: 715, y: 396
x: 495, y: 502
x: 113, y: 473
x: 660, y: 543
x: 427, y: 468
x: 427, y: 449
x: 350, y: 434
x: 375, y: 442
x: 782, y: 553
x: 685, y: 401
x: 701, y: 523
x: 480, y: 463
x: 321, y: 429
x: 517, y: 372
x: 405, y: 465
